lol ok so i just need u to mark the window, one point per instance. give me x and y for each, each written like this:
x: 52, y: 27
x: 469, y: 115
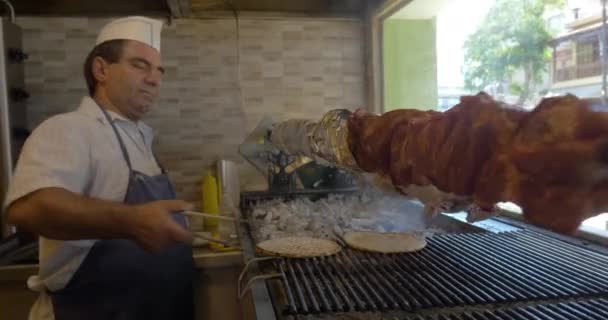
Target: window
x: 588, y: 59
x: 587, y: 52
x: 519, y: 51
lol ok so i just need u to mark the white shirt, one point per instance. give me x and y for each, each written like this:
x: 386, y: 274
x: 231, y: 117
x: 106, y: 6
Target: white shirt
x: 77, y: 151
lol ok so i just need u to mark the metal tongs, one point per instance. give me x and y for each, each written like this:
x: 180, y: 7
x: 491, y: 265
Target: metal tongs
x: 210, y: 215
x: 212, y: 239
x: 215, y: 216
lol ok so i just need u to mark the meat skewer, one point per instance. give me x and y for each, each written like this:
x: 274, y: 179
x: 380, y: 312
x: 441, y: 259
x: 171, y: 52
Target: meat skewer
x: 551, y: 161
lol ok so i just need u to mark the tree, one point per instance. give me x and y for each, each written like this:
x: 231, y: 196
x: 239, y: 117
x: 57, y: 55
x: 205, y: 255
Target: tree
x: 513, y: 36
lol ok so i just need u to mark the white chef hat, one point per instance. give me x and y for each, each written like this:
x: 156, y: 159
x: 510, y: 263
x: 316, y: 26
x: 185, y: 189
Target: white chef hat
x: 137, y: 28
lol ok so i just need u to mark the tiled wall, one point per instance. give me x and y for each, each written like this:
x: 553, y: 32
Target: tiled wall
x: 292, y: 67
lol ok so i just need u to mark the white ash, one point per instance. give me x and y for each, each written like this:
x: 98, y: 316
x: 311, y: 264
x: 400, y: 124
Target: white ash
x: 371, y: 211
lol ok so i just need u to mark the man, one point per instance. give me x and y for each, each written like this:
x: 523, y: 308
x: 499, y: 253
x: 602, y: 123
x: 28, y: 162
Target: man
x: 111, y: 244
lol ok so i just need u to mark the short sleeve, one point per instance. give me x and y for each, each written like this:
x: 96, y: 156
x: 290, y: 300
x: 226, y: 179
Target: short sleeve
x: 55, y: 155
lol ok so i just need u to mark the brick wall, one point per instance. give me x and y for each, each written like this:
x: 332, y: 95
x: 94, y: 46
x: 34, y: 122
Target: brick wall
x: 289, y: 67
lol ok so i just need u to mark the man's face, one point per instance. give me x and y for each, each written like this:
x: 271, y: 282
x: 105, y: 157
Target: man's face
x: 133, y: 83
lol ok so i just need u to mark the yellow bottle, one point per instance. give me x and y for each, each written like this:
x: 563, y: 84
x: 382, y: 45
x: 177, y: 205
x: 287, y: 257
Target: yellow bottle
x: 210, y: 201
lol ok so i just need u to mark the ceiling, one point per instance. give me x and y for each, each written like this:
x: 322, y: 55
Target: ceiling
x: 181, y: 8
x: 302, y: 6
x: 89, y: 8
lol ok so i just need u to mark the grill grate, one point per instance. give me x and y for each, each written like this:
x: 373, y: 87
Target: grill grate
x: 453, y: 270
x: 590, y: 309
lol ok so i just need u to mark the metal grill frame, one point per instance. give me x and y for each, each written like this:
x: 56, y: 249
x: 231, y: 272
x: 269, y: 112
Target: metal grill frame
x: 573, y: 310
x: 441, y: 277
x: 265, y: 293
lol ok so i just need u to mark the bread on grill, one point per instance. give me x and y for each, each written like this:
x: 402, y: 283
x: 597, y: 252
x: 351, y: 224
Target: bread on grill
x: 298, y: 247
x: 389, y: 242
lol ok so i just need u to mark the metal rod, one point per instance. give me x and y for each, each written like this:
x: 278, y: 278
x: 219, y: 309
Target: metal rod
x: 514, y: 314
x: 528, y: 266
x: 254, y: 279
x: 11, y: 10
x: 430, y: 280
x: 317, y: 285
x: 468, y: 316
x: 568, y: 310
x: 374, y: 280
x: 492, y: 315
x: 307, y: 286
x: 452, y: 278
x: 527, y: 284
x: 538, y: 260
x: 370, y: 304
x: 541, y: 310
x: 598, y: 314
x: 386, y: 287
x: 603, y: 53
x: 561, y: 252
x: 212, y: 239
x: 245, y: 270
x: 320, y: 271
x: 524, y: 313
x: 603, y: 305
x: 415, y: 299
x: 490, y: 277
x: 290, y: 300
x: 292, y: 275
x: 416, y: 280
x: 572, y: 251
x: 380, y: 263
x: 210, y: 215
x: 447, y: 283
x: 348, y: 284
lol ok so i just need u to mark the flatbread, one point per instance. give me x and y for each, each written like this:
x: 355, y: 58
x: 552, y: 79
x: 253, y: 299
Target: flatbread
x: 298, y: 247
x: 390, y: 242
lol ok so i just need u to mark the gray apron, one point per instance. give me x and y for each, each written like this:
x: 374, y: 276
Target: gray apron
x: 119, y: 280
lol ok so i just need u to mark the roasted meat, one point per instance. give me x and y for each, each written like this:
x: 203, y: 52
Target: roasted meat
x: 551, y: 161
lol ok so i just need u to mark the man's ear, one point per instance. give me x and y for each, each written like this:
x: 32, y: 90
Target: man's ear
x: 100, y: 69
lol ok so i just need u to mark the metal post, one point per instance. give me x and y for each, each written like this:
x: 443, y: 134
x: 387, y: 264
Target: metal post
x: 554, y: 69
x: 603, y: 52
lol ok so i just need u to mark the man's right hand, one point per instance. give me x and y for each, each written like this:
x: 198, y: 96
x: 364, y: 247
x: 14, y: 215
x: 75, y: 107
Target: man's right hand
x: 152, y: 227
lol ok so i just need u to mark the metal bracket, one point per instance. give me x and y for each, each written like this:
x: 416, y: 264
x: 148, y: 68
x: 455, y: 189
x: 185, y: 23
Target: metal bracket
x: 256, y: 147
x: 179, y: 8
x: 241, y: 291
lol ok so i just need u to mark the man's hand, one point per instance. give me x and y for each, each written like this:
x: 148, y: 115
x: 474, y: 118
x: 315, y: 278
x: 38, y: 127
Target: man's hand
x: 59, y: 214
x: 153, y: 228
